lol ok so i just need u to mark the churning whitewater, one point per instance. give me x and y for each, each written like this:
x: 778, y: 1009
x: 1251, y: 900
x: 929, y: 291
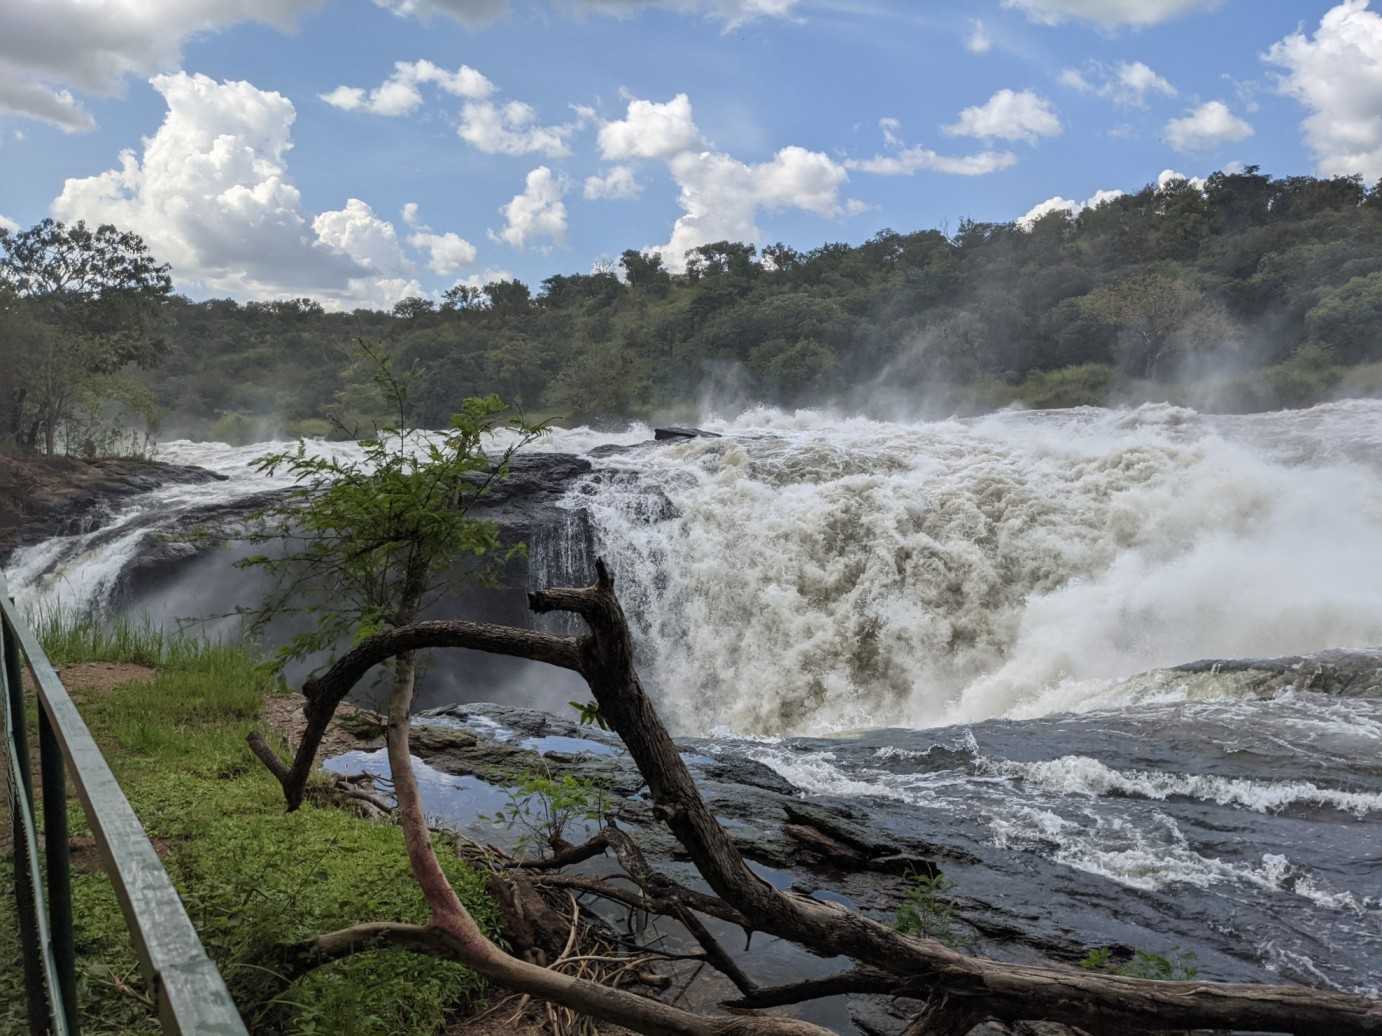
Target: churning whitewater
x: 825, y: 574
x: 809, y: 573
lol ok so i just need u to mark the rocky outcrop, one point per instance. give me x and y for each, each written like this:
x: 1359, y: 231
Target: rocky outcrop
x: 1354, y: 674
x: 43, y: 497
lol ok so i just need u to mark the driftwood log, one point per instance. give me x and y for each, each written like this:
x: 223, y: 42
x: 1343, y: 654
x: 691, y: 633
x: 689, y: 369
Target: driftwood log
x: 960, y: 991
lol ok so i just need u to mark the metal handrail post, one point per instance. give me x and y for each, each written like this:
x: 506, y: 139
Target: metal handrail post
x: 21, y: 800
x: 59, y: 860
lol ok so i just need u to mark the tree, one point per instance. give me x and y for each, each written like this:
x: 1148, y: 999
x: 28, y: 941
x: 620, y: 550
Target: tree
x: 508, y: 298
x: 461, y: 296
x: 96, y: 296
x: 1348, y: 320
x: 371, y: 539
x: 1148, y: 309
x: 413, y: 307
x: 644, y: 272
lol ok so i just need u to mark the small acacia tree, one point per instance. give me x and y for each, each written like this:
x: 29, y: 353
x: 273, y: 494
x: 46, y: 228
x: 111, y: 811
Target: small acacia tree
x: 364, y: 542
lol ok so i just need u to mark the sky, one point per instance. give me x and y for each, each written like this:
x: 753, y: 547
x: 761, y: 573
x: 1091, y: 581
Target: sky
x: 361, y: 151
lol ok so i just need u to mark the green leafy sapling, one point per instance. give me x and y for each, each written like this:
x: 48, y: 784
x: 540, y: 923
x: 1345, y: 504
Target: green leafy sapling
x: 364, y: 543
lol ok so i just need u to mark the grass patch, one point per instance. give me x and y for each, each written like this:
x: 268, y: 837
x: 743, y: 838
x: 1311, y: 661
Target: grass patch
x: 251, y: 876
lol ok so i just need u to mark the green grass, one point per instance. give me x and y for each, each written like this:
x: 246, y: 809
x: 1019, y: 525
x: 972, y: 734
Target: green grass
x: 251, y: 876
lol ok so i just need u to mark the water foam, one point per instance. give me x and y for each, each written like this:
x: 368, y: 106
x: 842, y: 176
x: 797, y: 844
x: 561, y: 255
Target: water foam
x: 1082, y: 775
x: 828, y: 574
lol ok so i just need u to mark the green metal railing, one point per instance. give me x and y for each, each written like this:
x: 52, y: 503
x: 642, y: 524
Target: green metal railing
x: 182, y: 980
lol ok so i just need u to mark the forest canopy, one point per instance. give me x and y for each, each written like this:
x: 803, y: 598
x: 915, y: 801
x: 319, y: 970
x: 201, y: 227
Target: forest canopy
x: 1240, y: 292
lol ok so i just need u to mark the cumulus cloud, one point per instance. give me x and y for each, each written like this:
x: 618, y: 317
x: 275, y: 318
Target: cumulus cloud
x: 1126, y: 83
x: 618, y: 182
x: 650, y: 130
x: 1008, y: 115
x: 978, y: 41
x: 446, y: 253
x: 1337, y: 75
x: 720, y: 196
x: 210, y: 193
x: 8, y: 224
x: 1206, y: 127
x: 1059, y: 204
x: 537, y: 212
x: 1109, y: 14
x: 512, y: 129
x: 399, y: 94
x: 50, y: 47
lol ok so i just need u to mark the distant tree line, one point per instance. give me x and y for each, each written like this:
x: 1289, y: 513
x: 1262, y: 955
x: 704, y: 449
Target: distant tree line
x: 1245, y: 292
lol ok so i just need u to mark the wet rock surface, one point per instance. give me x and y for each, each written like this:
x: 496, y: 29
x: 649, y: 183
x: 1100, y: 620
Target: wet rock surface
x: 1352, y: 673
x: 43, y: 497
x: 1241, y: 830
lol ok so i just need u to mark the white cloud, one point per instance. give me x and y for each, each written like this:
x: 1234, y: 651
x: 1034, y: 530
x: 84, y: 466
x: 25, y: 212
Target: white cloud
x: 1337, y: 76
x: 471, y: 13
x: 908, y: 160
x: 475, y: 13
x: 619, y: 182
x: 538, y: 212
x: 1058, y: 204
x: 1008, y: 115
x: 399, y: 94
x: 1127, y: 83
x: 1075, y: 80
x: 1136, y: 80
x: 651, y: 130
x: 721, y: 196
x: 210, y: 193
x: 731, y: 13
x: 33, y: 100
x: 1109, y: 14
x: 1204, y: 128
x: 511, y: 129
x: 409, y: 213
x: 359, y: 233
x: 8, y: 224
x: 979, y: 41
x: 920, y: 159
x: 447, y: 252
x: 50, y: 47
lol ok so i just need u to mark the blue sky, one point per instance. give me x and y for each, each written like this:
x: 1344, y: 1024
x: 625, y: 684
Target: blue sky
x: 796, y: 120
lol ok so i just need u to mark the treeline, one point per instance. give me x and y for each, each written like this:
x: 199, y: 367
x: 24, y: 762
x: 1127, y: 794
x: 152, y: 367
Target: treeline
x: 1244, y: 292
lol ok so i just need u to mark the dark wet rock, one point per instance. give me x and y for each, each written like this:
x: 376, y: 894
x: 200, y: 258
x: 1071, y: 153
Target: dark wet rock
x: 675, y: 432
x: 1354, y: 674
x: 526, y: 498
x: 43, y: 497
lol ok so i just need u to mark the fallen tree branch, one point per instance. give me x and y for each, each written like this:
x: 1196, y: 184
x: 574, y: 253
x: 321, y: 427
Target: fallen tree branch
x: 963, y: 990
x: 857, y: 980
x: 975, y: 987
x: 459, y: 932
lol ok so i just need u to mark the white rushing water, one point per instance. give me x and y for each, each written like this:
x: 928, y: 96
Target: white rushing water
x: 827, y: 574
